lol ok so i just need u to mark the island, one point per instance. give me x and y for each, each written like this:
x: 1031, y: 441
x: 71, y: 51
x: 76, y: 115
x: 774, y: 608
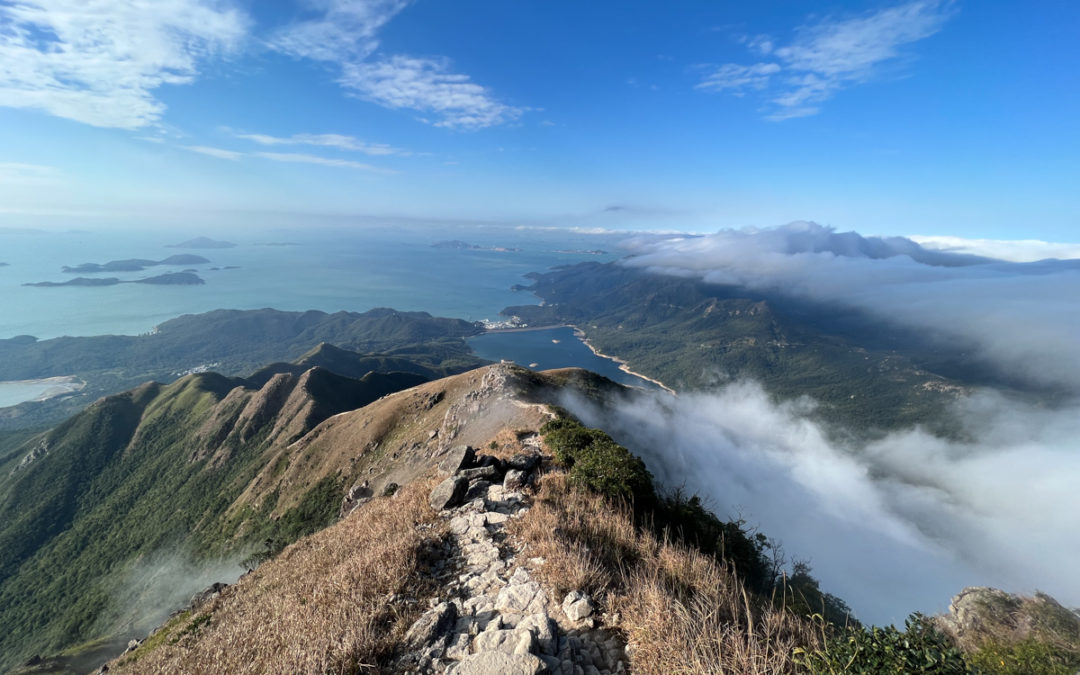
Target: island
x: 134, y: 264
x: 466, y: 246
x: 170, y: 279
x: 578, y: 251
x: 3, y: 264
x: 202, y: 242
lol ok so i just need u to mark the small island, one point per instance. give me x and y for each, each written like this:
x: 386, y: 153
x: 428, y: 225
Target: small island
x: 170, y: 279
x: 134, y: 264
x: 3, y: 264
x: 202, y: 242
x: 466, y: 246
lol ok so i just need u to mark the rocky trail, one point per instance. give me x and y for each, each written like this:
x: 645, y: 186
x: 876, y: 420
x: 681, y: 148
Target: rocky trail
x: 491, y: 617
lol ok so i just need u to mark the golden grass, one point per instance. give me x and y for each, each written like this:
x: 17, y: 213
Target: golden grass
x: 680, y: 611
x: 330, y: 603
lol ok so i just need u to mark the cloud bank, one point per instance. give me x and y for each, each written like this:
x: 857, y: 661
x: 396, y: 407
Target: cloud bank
x: 902, y: 523
x: 893, y: 526
x: 1020, y: 318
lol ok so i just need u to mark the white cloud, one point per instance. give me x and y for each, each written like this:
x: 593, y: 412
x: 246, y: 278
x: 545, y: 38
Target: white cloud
x: 428, y: 86
x: 338, y: 141
x: 894, y: 525
x: 220, y: 153
x: 1020, y: 318
x: 343, y: 31
x: 324, y: 161
x: 828, y: 56
x: 1020, y: 250
x: 99, y: 61
x: 290, y: 157
x: 738, y: 77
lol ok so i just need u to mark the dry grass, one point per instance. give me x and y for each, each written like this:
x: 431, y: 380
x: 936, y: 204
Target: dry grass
x: 681, y: 611
x: 330, y: 603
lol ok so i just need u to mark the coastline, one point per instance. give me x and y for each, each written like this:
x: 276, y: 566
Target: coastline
x: 524, y: 329
x: 623, y: 365
x: 57, y: 385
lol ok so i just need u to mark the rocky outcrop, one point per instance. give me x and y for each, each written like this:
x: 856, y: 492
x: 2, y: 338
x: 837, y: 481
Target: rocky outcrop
x: 979, y: 613
x: 491, y: 616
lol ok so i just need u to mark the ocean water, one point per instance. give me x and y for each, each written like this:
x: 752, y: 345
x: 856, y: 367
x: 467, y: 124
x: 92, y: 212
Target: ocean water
x: 550, y: 348
x: 288, y: 269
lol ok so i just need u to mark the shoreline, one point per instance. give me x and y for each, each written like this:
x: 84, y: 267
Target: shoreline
x: 523, y: 329
x: 57, y: 385
x: 623, y: 365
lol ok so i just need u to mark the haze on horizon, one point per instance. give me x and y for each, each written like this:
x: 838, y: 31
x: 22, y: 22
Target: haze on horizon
x: 938, y: 118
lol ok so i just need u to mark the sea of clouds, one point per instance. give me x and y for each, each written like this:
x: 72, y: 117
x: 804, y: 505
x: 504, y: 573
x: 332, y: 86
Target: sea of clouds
x: 901, y: 523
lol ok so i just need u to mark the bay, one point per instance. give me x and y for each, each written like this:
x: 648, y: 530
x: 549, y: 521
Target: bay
x: 548, y: 348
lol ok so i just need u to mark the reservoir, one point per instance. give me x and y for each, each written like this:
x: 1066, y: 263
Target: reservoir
x: 549, y: 348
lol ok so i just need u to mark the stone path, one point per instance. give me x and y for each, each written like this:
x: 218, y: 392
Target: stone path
x: 492, y: 617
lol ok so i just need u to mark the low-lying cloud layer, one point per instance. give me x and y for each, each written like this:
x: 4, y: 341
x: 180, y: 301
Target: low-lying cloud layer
x: 1023, y: 318
x: 902, y: 523
x: 893, y: 526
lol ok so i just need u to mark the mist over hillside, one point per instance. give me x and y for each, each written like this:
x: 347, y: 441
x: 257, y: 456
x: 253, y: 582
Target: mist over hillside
x: 894, y: 522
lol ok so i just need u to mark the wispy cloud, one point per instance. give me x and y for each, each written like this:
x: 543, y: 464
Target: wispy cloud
x: 337, y: 141
x: 291, y: 157
x: 827, y: 56
x: 739, y: 78
x: 301, y: 158
x: 345, y: 33
x: 342, y: 31
x: 100, y: 62
x: 428, y: 86
x: 220, y: 153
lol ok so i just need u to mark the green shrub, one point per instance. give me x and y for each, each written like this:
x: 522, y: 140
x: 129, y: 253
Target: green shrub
x: 597, y: 462
x: 921, y: 648
x: 1027, y: 657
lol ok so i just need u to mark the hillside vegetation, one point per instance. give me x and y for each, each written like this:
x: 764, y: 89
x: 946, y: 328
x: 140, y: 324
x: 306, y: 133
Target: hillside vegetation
x: 233, y: 343
x: 866, y: 373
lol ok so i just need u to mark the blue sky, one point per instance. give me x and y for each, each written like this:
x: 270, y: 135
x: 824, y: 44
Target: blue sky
x: 921, y: 117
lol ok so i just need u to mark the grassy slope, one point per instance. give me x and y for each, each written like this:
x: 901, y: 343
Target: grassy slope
x: 155, y: 469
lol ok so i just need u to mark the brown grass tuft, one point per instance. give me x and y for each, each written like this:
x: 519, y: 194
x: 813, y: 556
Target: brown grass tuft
x: 330, y: 603
x: 681, y: 611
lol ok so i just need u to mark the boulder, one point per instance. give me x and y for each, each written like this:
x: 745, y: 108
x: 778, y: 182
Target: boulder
x: 515, y: 479
x: 457, y: 458
x: 577, y: 606
x: 448, y: 493
x: 523, y: 462
x: 498, y: 663
x: 432, y: 628
x: 480, y: 473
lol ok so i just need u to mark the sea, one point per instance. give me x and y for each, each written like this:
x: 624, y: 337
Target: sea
x: 295, y: 268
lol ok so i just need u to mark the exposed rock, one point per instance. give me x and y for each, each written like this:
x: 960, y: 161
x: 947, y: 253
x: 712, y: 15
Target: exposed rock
x: 208, y: 593
x: 523, y: 462
x: 432, y: 628
x: 480, y: 473
x: 515, y: 479
x: 577, y: 606
x: 448, y: 493
x: 498, y: 663
x: 978, y: 613
x: 457, y: 458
